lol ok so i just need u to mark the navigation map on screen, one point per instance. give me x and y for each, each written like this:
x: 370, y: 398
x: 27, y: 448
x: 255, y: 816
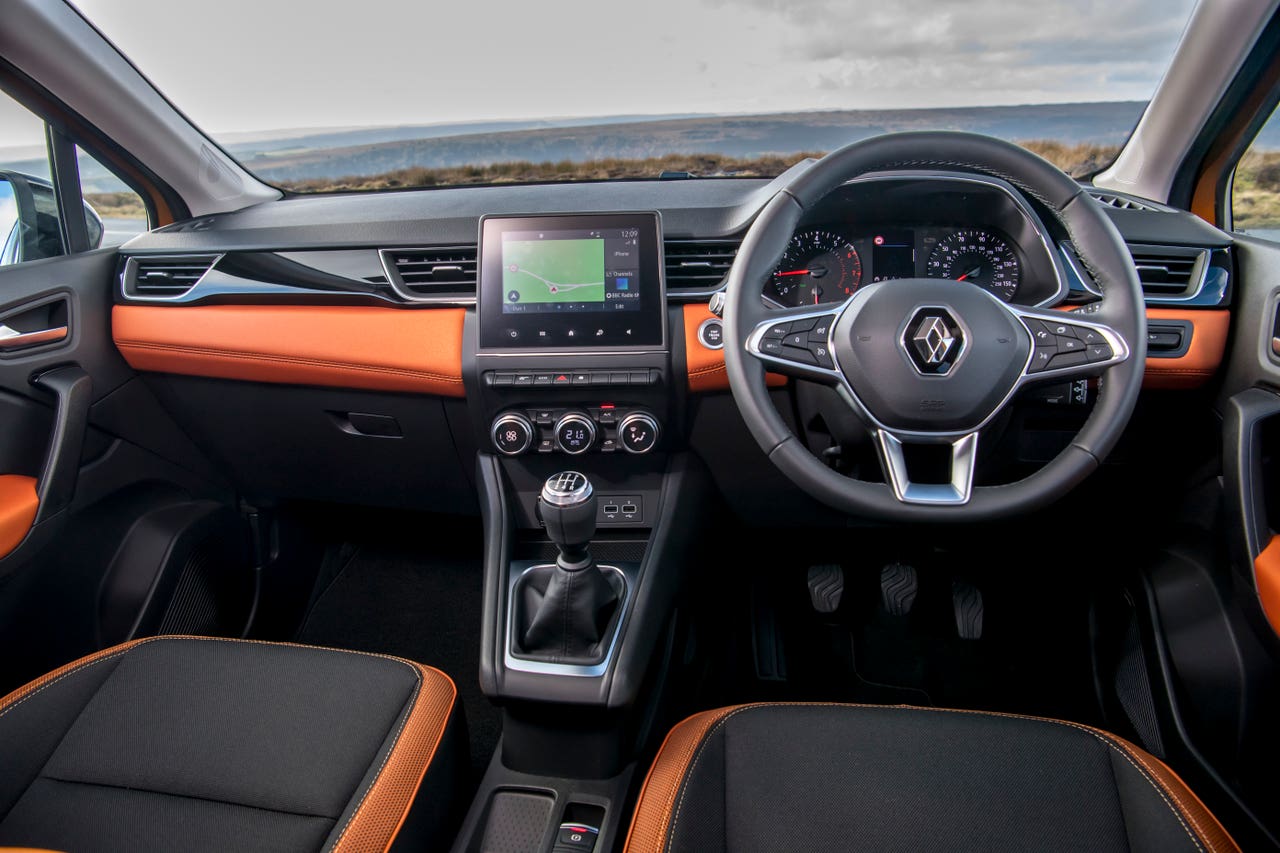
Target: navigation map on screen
x: 570, y: 271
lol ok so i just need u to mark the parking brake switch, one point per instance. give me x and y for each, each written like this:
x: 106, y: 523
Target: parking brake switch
x: 576, y: 838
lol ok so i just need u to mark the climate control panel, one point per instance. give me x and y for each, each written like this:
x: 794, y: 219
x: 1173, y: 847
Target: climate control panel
x: 575, y: 430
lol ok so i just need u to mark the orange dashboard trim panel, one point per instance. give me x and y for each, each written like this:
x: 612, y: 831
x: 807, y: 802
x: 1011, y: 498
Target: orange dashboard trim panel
x: 18, y: 504
x: 381, y: 349
x: 705, y: 367
x: 1202, y: 359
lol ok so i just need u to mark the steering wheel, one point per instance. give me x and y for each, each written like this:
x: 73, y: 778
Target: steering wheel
x: 929, y: 361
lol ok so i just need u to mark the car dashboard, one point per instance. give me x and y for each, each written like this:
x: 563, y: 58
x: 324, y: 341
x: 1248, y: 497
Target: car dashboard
x: 348, y: 324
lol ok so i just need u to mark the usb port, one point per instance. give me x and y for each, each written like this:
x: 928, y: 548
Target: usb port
x: 610, y: 509
x: 629, y: 509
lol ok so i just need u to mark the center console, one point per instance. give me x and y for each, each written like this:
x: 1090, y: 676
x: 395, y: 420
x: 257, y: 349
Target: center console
x: 572, y: 361
x: 590, y: 503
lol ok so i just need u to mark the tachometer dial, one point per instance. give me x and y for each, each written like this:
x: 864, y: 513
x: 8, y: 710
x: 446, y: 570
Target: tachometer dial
x: 818, y: 267
x: 978, y: 257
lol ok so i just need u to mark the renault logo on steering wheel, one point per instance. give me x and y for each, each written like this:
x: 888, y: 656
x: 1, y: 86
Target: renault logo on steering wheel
x: 933, y: 341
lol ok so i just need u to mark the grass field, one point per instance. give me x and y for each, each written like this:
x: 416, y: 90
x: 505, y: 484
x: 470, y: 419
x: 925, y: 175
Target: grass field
x: 1077, y: 160
x: 124, y: 205
x: 1255, y: 199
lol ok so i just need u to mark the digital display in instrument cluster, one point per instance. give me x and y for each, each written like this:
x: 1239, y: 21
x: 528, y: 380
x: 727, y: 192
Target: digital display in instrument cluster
x: 893, y: 255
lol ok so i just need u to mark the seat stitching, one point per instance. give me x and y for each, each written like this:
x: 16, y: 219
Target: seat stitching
x: 1142, y: 771
x: 152, y: 791
x: 404, y: 721
x: 69, y: 672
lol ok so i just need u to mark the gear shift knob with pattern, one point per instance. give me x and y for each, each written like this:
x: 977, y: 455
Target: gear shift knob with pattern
x: 567, y: 506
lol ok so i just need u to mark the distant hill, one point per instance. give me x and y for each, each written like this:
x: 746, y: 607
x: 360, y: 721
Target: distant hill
x: 749, y: 136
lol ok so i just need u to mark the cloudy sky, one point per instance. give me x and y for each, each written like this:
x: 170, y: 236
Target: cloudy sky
x: 252, y: 65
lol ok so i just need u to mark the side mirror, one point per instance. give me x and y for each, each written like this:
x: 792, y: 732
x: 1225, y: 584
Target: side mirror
x: 29, y: 225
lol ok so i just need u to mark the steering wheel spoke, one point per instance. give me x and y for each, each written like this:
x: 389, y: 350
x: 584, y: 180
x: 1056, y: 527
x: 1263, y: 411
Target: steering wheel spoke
x: 953, y: 489
x: 1066, y: 344
x: 797, y: 342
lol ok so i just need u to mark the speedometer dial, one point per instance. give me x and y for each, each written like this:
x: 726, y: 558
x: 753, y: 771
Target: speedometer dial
x: 978, y: 257
x: 818, y: 266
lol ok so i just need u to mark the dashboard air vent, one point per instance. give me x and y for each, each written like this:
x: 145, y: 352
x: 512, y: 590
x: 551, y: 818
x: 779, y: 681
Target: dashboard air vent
x: 439, y: 272
x: 1169, y: 271
x: 698, y: 266
x: 168, y: 277
x: 1122, y: 202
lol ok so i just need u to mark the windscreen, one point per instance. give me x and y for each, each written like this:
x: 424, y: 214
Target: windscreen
x: 384, y: 94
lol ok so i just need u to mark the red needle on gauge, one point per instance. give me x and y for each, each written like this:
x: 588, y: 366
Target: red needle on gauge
x: 795, y: 272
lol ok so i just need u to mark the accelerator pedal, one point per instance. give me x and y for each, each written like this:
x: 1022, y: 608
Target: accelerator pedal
x: 967, y: 602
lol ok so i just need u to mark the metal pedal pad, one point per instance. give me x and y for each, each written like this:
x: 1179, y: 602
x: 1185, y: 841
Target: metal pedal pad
x: 898, y: 588
x: 967, y: 601
x: 826, y: 587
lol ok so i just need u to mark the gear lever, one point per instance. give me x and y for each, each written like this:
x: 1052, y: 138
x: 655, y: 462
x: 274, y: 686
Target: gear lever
x: 566, y: 609
x: 567, y: 506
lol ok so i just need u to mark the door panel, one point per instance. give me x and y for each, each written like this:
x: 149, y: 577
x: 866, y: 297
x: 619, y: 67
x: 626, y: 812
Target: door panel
x: 85, y: 451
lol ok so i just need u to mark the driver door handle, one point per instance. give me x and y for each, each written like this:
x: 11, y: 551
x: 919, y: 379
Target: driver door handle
x: 11, y: 339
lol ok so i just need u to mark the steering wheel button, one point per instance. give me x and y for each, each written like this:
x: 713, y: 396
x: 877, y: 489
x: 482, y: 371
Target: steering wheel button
x: 822, y: 353
x: 797, y: 340
x: 779, y: 331
x: 1040, y: 359
x: 1098, y: 352
x: 1089, y: 337
x: 822, y: 330
x: 1068, y: 359
x: 1066, y: 344
x: 801, y: 355
x: 805, y: 324
x: 1039, y: 332
x: 771, y: 345
x: 1061, y: 329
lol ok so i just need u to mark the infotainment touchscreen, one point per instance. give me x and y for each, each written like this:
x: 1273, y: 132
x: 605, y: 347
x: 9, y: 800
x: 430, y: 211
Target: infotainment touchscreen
x: 571, y: 282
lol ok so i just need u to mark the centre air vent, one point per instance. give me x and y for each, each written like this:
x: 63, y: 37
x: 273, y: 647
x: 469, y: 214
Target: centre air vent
x: 697, y: 267
x: 164, y: 277
x: 435, y: 274
x: 1169, y: 271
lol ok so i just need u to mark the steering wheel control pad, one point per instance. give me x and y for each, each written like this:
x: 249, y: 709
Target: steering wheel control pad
x: 803, y: 341
x: 929, y: 354
x: 1060, y: 344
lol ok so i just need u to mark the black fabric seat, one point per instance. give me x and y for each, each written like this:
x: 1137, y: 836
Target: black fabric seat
x: 200, y: 744
x: 845, y: 777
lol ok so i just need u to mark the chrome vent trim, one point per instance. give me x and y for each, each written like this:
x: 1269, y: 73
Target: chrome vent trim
x: 1170, y: 273
x: 443, y: 275
x: 163, y: 278
x: 697, y: 268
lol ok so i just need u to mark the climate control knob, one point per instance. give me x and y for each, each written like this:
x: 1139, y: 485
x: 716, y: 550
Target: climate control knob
x: 638, y: 432
x: 575, y: 433
x: 512, y: 433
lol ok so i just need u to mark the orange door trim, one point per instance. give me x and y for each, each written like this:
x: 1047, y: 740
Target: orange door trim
x: 1266, y: 574
x: 18, y: 505
x: 705, y: 367
x: 383, y: 349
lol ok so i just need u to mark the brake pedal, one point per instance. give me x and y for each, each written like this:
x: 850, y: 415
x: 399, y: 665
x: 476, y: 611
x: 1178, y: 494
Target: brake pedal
x: 826, y: 587
x: 967, y: 602
x: 898, y: 587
